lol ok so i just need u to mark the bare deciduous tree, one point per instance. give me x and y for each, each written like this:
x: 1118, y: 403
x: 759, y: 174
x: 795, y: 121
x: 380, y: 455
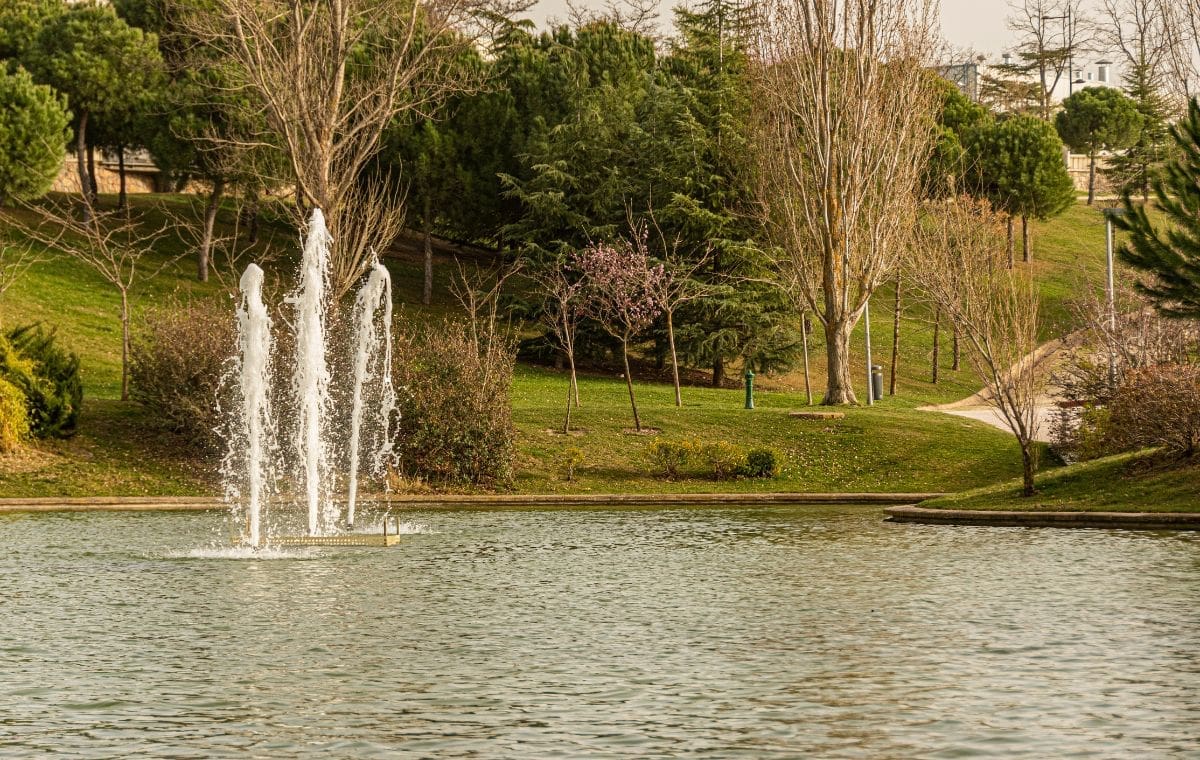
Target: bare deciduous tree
x: 638, y: 16
x: 478, y: 290
x: 1181, y: 20
x: 1137, y: 30
x: 563, y: 291
x: 995, y: 310
x: 111, y: 243
x: 678, y: 284
x: 329, y: 76
x: 17, y: 254
x: 1050, y: 33
x: 842, y: 139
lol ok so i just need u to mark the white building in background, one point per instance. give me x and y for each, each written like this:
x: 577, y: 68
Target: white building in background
x: 1090, y: 72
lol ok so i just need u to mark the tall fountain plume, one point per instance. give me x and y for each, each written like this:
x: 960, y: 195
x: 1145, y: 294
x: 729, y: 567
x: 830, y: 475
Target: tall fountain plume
x: 251, y: 462
x: 311, y: 378
x: 375, y: 296
x: 254, y: 337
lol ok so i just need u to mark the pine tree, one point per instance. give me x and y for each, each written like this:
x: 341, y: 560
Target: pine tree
x: 33, y: 135
x: 1171, y: 253
x: 1017, y: 164
x: 1096, y: 119
x: 1130, y: 172
x: 99, y: 62
x: 710, y: 208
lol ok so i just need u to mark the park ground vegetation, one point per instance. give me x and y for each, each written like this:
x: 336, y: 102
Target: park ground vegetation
x: 593, y: 214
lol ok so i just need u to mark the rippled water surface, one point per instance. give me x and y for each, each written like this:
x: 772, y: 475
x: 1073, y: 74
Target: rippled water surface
x: 799, y: 632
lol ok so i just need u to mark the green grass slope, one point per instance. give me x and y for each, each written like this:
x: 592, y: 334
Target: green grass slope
x: 891, y: 446
x: 1137, y: 482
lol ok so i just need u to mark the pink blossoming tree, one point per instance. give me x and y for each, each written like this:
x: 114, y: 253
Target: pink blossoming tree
x: 622, y: 287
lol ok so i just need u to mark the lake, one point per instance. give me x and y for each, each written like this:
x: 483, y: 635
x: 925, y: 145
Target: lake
x: 754, y: 633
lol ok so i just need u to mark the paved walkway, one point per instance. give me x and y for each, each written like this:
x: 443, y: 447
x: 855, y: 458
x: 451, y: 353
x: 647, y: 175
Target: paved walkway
x: 990, y: 415
x: 979, y: 407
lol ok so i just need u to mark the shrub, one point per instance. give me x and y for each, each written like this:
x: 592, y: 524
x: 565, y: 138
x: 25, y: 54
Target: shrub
x: 34, y: 129
x: 723, y: 459
x: 455, y: 423
x: 1157, y: 407
x: 178, y: 358
x: 761, y: 463
x: 49, y: 379
x: 14, y: 417
x: 667, y: 458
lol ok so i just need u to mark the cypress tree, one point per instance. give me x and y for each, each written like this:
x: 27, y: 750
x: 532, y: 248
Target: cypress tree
x: 1171, y: 252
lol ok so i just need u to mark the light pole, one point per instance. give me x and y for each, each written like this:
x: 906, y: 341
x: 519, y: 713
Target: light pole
x: 1069, y: 46
x: 1110, y: 292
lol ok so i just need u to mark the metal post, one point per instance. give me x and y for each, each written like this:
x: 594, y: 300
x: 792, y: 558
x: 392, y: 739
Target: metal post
x: 867, y: 321
x: 1070, y: 41
x: 749, y: 388
x: 1110, y: 294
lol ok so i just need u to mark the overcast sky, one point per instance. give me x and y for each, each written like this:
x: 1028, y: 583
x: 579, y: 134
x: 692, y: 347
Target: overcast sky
x: 967, y: 24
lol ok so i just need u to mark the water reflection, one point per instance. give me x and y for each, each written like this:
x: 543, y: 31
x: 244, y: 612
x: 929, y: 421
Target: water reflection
x: 812, y: 632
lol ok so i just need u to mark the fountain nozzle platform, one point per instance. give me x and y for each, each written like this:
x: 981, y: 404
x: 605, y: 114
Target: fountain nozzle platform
x: 352, y: 539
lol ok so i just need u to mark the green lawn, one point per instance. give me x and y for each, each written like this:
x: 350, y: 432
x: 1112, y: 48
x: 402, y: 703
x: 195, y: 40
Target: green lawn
x: 888, y: 447
x: 1138, y: 482
x: 891, y: 447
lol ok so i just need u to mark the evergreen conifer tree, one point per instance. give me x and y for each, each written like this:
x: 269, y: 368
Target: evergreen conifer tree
x: 1096, y: 119
x: 1170, y: 252
x: 1131, y: 171
x: 1017, y: 164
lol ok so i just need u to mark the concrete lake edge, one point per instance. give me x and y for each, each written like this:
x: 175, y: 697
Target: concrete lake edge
x: 476, y: 501
x: 1011, y: 519
x: 900, y: 507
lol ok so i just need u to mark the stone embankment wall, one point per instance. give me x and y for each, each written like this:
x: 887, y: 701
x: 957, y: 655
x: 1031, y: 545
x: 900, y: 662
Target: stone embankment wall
x: 140, y: 176
x: 1078, y: 167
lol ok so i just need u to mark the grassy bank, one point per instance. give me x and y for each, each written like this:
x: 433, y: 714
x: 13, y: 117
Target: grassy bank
x: 892, y: 446
x: 1138, y: 482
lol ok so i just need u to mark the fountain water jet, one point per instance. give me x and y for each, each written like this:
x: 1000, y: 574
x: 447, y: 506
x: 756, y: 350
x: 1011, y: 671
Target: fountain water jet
x: 376, y: 295
x: 372, y: 405
x: 254, y: 333
x: 311, y: 378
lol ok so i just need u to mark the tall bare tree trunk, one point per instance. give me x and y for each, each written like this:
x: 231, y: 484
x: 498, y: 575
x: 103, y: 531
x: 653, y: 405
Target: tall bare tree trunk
x: 567, y: 419
x: 93, y: 189
x: 807, y: 378
x: 1025, y: 239
x: 427, y: 223
x: 839, y: 388
x: 1009, y: 248
x: 637, y: 422
x: 954, y: 350
x: 1028, y: 467
x: 85, y: 181
x: 121, y: 199
x: 1091, y: 178
x: 937, y: 330
x: 674, y: 356
x: 210, y: 220
x: 718, y: 371
x: 895, y: 339
x: 125, y: 342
